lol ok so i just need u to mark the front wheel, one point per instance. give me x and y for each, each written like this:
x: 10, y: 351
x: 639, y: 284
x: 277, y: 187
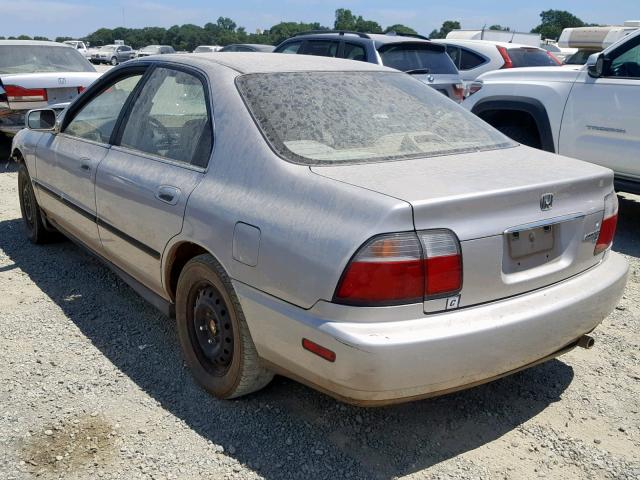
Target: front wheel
x: 31, y: 214
x: 114, y: 61
x: 213, y: 332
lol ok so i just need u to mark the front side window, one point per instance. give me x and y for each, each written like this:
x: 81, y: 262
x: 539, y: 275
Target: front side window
x: 627, y: 63
x: 342, y: 117
x: 170, y: 118
x: 417, y: 56
x: 321, y: 48
x: 96, y: 120
x: 292, y: 47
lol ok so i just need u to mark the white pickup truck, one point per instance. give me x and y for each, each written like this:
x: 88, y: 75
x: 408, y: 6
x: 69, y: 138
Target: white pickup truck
x: 589, y: 112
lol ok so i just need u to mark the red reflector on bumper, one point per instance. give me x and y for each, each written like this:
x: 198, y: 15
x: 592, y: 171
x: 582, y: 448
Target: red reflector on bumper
x: 319, y: 350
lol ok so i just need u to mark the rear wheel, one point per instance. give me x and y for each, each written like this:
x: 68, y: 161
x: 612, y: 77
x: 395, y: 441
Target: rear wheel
x: 31, y: 215
x: 213, y: 332
x: 114, y: 61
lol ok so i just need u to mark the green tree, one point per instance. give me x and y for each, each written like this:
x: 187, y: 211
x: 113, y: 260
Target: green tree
x: 399, y: 29
x: 346, y: 20
x: 554, y: 21
x: 61, y: 39
x: 500, y: 28
x: 447, y: 26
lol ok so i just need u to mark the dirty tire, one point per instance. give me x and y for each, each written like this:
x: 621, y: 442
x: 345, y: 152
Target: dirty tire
x: 31, y: 214
x: 521, y: 134
x: 205, y: 297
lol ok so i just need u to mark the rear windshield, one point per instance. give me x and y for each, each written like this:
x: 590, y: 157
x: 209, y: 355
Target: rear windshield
x: 41, y: 58
x: 360, y: 117
x: 413, y: 56
x: 531, y: 57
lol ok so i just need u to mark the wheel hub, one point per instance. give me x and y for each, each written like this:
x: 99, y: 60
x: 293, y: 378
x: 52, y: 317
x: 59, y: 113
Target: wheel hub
x: 212, y: 327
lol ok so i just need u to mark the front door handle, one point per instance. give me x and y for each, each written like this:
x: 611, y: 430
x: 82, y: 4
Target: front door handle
x: 168, y: 194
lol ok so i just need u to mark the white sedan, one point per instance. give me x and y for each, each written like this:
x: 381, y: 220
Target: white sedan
x: 38, y: 74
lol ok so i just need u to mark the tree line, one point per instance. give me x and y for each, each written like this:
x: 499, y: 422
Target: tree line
x: 225, y: 31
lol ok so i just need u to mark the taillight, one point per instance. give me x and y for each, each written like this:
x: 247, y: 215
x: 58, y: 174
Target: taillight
x: 609, y: 222
x: 399, y: 268
x: 458, y: 92
x: 553, y: 57
x: 475, y: 86
x: 15, y: 93
x: 505, y: 56
x: 443, y: 262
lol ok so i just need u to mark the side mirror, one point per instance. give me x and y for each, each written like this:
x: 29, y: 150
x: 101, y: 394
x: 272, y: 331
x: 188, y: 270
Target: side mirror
x: 43, y: 119
x: 596, y: 65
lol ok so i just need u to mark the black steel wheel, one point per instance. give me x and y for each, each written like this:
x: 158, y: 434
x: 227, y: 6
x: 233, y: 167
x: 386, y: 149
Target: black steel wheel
x: 213, y: 331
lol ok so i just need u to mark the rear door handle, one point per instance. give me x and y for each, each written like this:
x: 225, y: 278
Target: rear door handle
x: 168, y: 194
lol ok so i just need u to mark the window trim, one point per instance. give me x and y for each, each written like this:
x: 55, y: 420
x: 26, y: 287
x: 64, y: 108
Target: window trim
x: 95, y: 90
x: 118, y: 132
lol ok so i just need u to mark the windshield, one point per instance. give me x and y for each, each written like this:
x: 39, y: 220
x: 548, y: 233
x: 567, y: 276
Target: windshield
x: 531, y: 57
x: 150, y: 49
x: 108, y: 48
x: 580, y: 57
x: 414, y: 56
x: 203, y: 50
x: 41, y: 58
x: 339, y: 117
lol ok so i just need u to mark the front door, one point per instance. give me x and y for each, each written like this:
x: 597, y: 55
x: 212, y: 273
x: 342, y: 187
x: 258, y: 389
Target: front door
x: 67, y: 162
x: 143, y: 184
x: 600, y: 122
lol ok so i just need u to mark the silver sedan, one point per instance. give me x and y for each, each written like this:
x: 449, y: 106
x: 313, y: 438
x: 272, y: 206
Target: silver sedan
x: 337, y: 222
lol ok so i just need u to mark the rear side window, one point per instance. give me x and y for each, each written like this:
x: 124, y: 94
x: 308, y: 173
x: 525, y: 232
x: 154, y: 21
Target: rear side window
x: 454, y: 53
x: 416, y: 56
x: 354, y: 52
x: 531, y: 57
x: 360, y: 117
x: 321, y: 48
x: 469, y: 59
x: 170, y: 118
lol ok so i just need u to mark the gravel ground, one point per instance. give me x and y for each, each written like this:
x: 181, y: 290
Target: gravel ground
x: 92, y: 386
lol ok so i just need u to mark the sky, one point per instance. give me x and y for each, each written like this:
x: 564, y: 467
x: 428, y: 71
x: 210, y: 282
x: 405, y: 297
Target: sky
x: 76, y: 18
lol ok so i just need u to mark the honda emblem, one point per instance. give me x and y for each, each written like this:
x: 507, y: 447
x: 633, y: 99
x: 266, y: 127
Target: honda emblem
x: 546, y: 201
x: 62, y: 81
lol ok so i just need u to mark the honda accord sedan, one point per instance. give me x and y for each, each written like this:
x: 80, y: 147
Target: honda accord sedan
x: 337, y: 222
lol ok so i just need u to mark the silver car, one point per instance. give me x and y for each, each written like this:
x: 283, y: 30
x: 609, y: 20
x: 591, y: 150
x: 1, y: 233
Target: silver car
x: 337, y: 222
x: 113, y: 54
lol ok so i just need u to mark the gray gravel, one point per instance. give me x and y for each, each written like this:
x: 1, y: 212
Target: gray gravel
x: 92, y: 385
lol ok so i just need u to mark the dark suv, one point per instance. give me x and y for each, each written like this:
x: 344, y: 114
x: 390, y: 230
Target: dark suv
x: 413, y: 54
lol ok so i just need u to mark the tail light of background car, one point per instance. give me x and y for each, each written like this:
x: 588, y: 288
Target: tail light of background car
x: 505, y: 56
x: 16, y: 93
x: 400, y: 268
x: 609, y: 223
x: 458, y: 92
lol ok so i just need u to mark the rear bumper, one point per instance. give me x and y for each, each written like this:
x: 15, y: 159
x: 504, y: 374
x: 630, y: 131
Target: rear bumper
x: 391, y: 354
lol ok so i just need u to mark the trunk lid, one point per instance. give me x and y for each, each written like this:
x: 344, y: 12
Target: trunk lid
x: 492, y: 202
x: 60, y: 86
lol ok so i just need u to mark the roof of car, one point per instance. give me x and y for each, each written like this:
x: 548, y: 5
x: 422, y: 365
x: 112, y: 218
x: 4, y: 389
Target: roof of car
x: 462, y: 41
x: 245, y: 62
x: 42, y: 43
x: 378, y: 38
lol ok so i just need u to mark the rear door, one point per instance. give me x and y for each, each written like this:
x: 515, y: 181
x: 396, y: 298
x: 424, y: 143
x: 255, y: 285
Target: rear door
x: 142, y: 186
x: 600, y: 122
x: 67, y: 162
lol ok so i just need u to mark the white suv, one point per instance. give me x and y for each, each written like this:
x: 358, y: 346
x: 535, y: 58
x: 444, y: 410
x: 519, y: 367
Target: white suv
x: 475, y: 57
x: 589, y: 112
